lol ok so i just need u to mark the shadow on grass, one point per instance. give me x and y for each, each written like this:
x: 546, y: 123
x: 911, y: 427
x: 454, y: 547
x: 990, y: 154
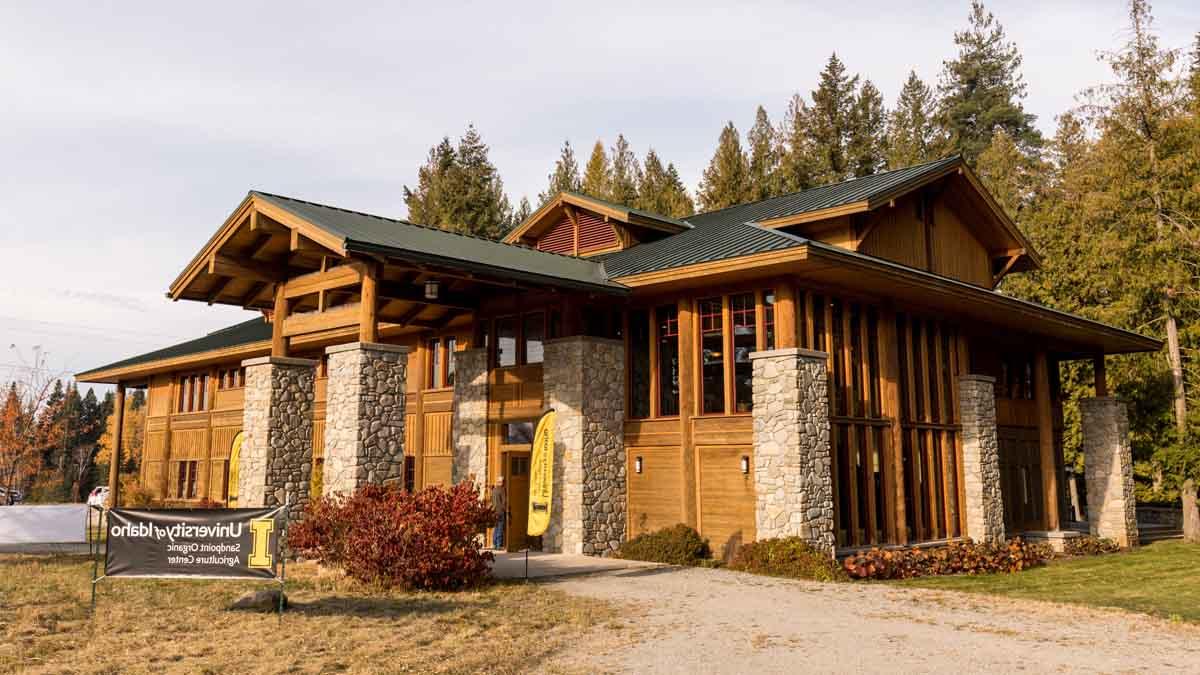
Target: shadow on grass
x: 364, y: 607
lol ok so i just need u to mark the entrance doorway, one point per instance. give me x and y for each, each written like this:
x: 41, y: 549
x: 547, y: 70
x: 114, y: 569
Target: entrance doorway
x: 516, y: 478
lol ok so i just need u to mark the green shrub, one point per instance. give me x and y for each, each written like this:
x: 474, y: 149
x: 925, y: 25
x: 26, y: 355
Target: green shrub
x: 955, y: 558
x: 1089, y: 545
x: 675, y: 545
x: 790, y: 557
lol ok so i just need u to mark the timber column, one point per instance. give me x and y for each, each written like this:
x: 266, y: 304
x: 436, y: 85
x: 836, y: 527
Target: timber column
x: 793, y: 477
x: 584, y: 381
x: 275, y: 462
x: 1108, y: 470
x: 984, y: 504
x: 469, y: 423
x: 364, y: 416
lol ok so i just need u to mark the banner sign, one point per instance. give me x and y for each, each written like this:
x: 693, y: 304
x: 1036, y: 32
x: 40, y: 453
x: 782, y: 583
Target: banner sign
x: 541, y: 475
x: 221, y: 543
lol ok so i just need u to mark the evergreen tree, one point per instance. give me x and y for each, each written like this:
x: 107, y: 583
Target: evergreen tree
x: 521, y: 214
x: 726, y: 181
x: 459, y: 189
x: 626, y: 174
x: 764, y: 158
x: 912, y: 129
x: 661, y: 191
x: 981, y: 89
x: 565, y: 177
x: 831, y: 120
x: 797, y: 154
x: 1009, y: 174
x: 867, y: 147
x: 597, y: 176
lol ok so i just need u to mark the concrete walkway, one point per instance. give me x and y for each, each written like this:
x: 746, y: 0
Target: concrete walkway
x: 547, y: 565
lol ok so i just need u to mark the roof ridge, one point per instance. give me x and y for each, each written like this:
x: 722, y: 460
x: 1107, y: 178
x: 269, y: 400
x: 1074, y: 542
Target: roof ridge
x: 412, y: 224
x: 829, y: 185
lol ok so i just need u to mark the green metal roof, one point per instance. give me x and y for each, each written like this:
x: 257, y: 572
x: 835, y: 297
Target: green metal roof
x: 625, y: 207
x: 402, y: 240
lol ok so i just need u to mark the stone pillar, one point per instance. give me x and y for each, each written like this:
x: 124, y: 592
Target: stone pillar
x: 275, y: 462
x: 469, y: 424
x: 584, y: 380
x: 793, y: 477
x: 1108, y: 470
x: 984, y: 504
x: 364, y: 416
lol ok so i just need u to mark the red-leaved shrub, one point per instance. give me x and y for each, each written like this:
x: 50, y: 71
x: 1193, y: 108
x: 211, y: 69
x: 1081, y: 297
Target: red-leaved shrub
x: 954, y: 558
x: 426, y: 540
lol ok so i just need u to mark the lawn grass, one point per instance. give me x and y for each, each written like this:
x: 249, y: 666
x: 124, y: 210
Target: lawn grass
x: 333, y: 625
x: 1162, y: 579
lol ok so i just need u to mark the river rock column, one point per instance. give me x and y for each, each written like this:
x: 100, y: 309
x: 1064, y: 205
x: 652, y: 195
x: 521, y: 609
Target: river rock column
x: 984, y: 503
x: 584, y: 382
x: 793, y: 478
x: 1108, y: 470
x: 364, y: 416
x: 275, y: 462
x: 469, y: 423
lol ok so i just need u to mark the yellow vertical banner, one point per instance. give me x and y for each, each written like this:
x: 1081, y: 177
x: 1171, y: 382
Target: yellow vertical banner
x: 541, y: 475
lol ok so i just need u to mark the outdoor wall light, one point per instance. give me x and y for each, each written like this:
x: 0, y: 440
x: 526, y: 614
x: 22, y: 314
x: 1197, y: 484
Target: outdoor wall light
x: 431, y: 289
x: 745, y: 463
x: 637, y: 464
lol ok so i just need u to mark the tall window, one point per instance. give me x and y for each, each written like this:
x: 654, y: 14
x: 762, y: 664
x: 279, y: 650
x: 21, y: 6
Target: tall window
x: 745, y: 340
x: 535, y: 332
x: 639, y: 363
x: 186, y: 488
x: 506, y: 341
x: 433, y: 376
x: 451, y: 346
x: 193, y: 393
x: 769, y: 318
x: 712, y: 345
x: 668, y: 360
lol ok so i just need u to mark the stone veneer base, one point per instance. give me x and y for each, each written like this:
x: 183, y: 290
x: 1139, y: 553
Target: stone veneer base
x: 1108, y: 470
x: 984, y: 503
x: 275, y: 462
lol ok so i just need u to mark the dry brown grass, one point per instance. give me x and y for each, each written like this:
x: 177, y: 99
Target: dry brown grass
x: 334, y: 625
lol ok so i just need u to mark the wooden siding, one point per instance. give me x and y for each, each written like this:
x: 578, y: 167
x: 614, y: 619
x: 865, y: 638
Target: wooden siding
x: 594, y: 234
x: 727, y: 498
x: 560, y: 238
x: 654, y: 496
x: 948, y: 246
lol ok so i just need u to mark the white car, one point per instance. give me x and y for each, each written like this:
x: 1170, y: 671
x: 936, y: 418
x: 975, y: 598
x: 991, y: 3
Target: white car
x: 98, y: 497
x: 13, y: 496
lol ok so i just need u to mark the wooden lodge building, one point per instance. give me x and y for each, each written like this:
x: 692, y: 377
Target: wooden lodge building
x: 836, y: 364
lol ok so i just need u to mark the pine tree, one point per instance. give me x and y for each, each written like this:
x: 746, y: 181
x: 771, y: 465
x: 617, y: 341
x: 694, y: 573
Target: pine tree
x: 726, y: 181
x: 797, y: 154
x: 565, y: 177
x: 459, y: 189
x: 764, y: 158
x: 626, y: 174
x: 867, y: 146
x: 912, y: 130
x: 831, y: 121
x: 1008, y: 174
x: 981, y: 89
x: 521, y: 214
x: 597, y: 177
x: 661, y: 191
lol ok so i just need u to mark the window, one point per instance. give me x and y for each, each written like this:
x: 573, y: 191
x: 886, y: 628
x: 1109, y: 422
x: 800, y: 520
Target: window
x: 639, y: 363
x: 451, y: 346
x: 433, y: 374
x: 518, y: 465
x: 506, y: 341
x: 745, y: 341
x: 712, y: 346
x: 193, y: 393
x: 410, y: 471
x: 535, y: 332
x: 517, y: 433
x: 769, y: 318
x: 668, y: 360
x: 231, y: 378
x: 186, y: 487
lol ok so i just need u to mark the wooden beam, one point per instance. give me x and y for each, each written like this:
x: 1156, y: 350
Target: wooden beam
x: 1008, y: 265
x: 301, y: 244
x: 313, y: 322
x: 244, y: 268
x: 687, y: 406
x: 315, y: 282
x: 279, y: 345
x: 259, y: 245
x: 785, y: 316
x: 1045, y: 418
x: 368, y: 329
x: 251, y: 294
x: 889, y: 394
x: 1101, y: 376
x: 114, y: 464
x: 264, y: 223
x: 218, y: 289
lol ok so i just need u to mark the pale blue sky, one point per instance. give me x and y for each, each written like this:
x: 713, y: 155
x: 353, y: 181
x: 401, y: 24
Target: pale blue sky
x: 129, y: 131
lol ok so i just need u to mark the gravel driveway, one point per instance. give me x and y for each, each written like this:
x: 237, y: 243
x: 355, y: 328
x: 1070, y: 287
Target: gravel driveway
x: 716, y: 621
